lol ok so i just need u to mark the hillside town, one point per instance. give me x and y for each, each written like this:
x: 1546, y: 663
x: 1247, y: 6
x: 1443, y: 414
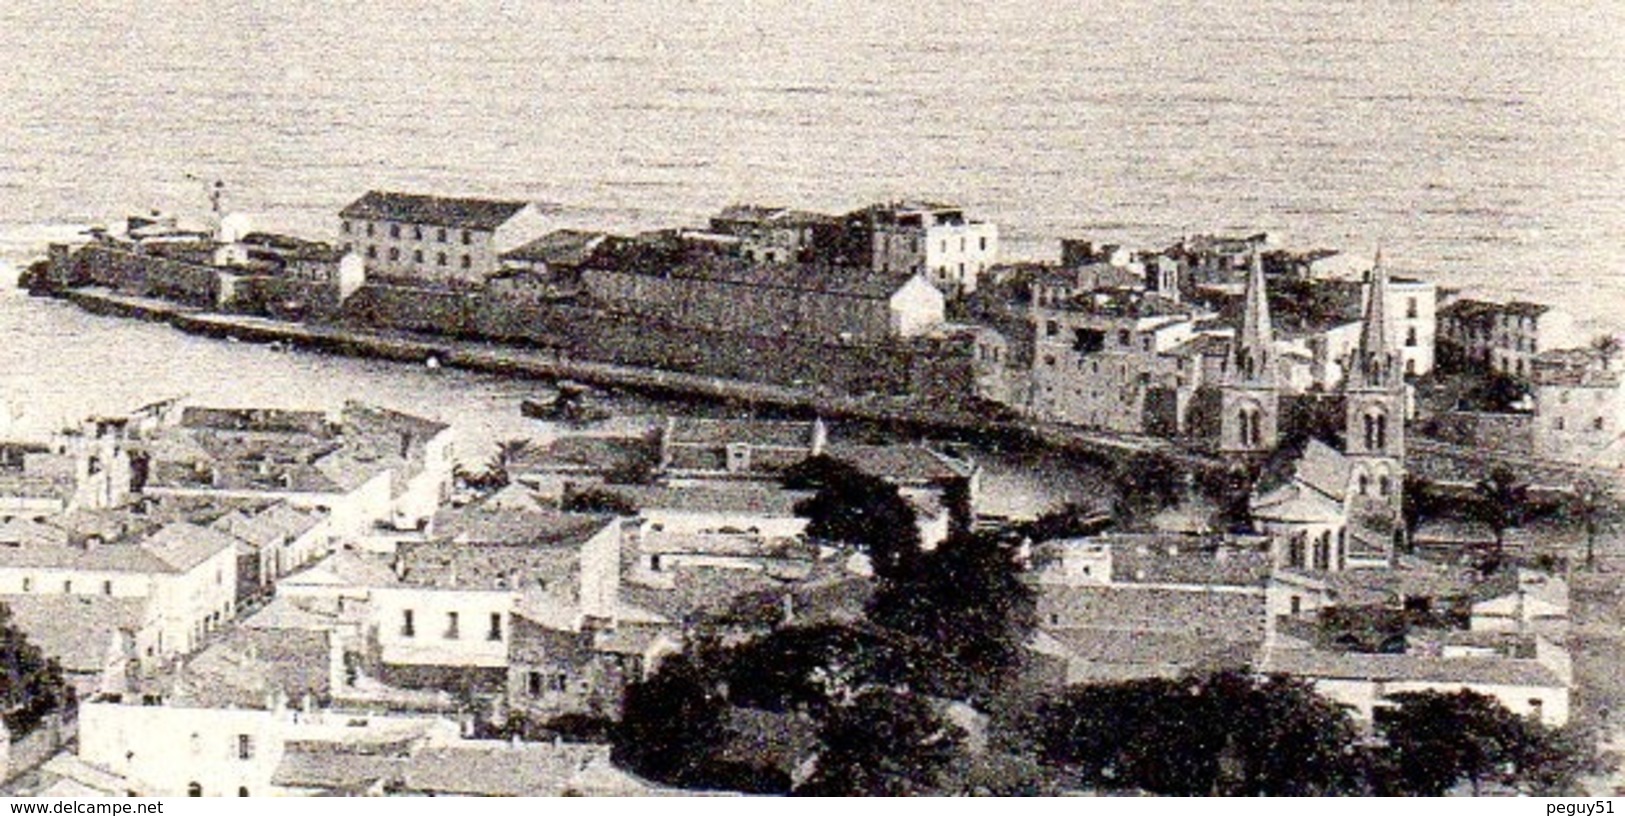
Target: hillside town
x: 1350, y: 515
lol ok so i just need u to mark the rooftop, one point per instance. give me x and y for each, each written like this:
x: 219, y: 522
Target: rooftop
x: 1409, y: 668
x: 77, y: 630
x: 558, y: 248
x: 408, y: 208
x: 252, y: 667
x: 810, y: 278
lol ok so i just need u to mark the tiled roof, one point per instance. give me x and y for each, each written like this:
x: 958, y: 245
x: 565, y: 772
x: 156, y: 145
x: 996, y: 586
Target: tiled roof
x: 499, y: 769
x: 842, y: 281
x: 408, y: 208
x: 561, y: 248
x: 269, y: 527
x: 760, y: 432
x: 743, y: 499
x: 175, y: 548
x: 590, y: 453
x: 183, y: 546
x: 901, y: 464
x: 1209, y: 613
x: 248, y: 666
x: 77, y: 630
x: 1409, y: 668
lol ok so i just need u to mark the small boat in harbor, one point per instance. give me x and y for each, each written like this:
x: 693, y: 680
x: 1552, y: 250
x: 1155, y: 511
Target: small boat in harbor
x: 574, y: 403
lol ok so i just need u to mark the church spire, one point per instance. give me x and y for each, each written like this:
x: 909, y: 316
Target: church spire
x: 1254, y: 348
x: 1374, y: 360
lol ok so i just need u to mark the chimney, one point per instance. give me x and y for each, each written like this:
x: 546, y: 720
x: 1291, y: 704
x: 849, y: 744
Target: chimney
x: 789, y: 606
x: 820, y: 436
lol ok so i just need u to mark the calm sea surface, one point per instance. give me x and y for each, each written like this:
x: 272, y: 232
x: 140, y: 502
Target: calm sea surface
x: 1481, y: 143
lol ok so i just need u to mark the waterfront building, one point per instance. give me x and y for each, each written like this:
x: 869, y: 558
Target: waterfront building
x: 1579, y: 417
x: 1116, y: 360
x: 779, y: 235
x: 819, y: 305
x: 1502, y: 337
x: 433, y: 239
x: 935, y: 240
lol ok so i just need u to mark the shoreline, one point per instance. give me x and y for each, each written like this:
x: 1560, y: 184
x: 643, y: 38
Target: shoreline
x: 520, y: 362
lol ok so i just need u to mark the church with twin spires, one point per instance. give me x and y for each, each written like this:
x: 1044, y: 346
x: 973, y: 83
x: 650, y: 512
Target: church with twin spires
x: 1330, y: 504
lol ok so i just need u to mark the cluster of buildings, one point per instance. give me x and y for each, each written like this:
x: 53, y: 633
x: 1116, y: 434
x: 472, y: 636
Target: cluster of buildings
x: 291, y: 602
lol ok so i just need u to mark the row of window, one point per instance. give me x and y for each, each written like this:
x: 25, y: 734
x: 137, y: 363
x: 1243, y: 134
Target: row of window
x: 453, y: 630
x: 1597, y: 424
x: 394, y: 254
x: 441, y: 235
x: 67, y: 586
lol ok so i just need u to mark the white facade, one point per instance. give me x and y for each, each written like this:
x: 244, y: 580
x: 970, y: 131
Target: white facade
x: 1413, y: 322
x: 939, y: 242
x: 402, y: 248
x: 168, y: 750
x: 184, y: 606
x: 916, y: 308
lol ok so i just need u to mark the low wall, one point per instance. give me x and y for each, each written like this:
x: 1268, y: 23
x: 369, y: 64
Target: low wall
x: 1510, y: 433
x: 584, y: 332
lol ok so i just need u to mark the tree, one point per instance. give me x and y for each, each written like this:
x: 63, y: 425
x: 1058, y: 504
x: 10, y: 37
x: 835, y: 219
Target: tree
x: 1145, y: 484
x: 599, y: 500
x: 1226, y: 733
x: 674, y: 723
x: 31, y: 685
x: 854, y: 508
x: 1436, y: 740
x: 816, y: 668
x: 1503, y: 503
x: 968, y: 601
x: 1591, y: 504
x: 1608, y: 348
x: 887, y: 742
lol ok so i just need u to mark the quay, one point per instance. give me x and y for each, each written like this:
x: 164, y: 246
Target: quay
x: 509, y: 360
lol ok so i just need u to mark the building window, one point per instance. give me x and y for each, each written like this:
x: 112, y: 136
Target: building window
x: 394, y: 253
x: 1410, y: 308
x: 1297, y: 605
x: 417, y: 256
x: 440, y: 259
x: 394, y: 230
x: 107, y: 587
x: 417, y: 233
x: 495, y: 632
x: 345, y: 228
x: 557, y: 681
x: 1051, y: 328
x: 28, y: 584
x: 440, y: 235
x: 408, y: 626
x: 533, y: 683
x: 1596, y: 424
x: 451, y: 626
x: 467, y: 262
x: 245, y: 746
x: 67, y: 587
x: 369, y: 229
x: 984, y: 243
x: 1558, y: 423
x: 372, y: 251
x: 468, y: 237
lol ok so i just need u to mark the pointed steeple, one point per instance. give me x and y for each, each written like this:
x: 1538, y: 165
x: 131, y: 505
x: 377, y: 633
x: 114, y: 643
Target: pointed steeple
x: 1255, y: 347
x: 1374, y: 360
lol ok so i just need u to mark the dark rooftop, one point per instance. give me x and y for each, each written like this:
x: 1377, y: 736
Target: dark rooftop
x: 408, y: 208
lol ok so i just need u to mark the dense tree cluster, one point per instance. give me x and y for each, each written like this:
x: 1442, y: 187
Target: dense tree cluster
x: 31, y: 685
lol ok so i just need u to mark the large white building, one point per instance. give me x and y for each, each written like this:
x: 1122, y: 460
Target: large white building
x: 424, y: 238
x: 935, y: 240
x: 187, y: 573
